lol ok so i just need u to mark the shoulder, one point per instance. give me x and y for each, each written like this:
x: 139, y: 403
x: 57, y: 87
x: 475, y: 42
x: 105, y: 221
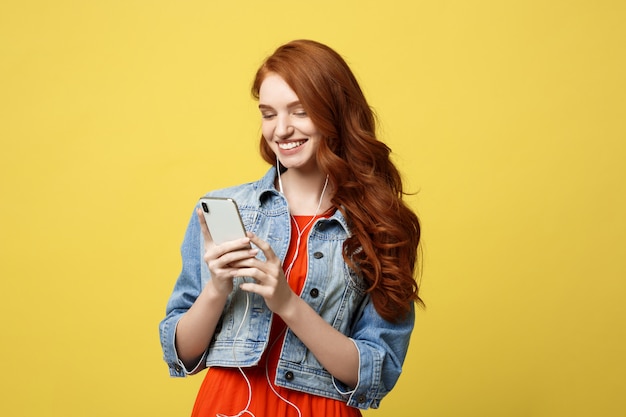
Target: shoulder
x: 249, y: 192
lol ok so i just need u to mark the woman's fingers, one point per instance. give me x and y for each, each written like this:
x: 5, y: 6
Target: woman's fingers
x: 269, y: 278
x: 208, y: 240
x: 268, y: 272
x: 272, y: 287
x: 237, y: 258
x: 265, y: 247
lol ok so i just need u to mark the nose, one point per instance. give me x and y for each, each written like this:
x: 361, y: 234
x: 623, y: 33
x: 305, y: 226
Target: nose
x: 284, y: 129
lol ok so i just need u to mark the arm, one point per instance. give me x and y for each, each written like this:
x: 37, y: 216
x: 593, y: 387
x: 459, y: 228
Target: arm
x: 196, y: 327
x: 335, y: 351
x: 383, y: 347
x: 193, y: 312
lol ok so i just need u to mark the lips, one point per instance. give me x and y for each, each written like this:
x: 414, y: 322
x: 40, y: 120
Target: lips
x: 291, y: 144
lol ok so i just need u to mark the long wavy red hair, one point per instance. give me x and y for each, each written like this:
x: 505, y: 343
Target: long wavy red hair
x: 385, y: 234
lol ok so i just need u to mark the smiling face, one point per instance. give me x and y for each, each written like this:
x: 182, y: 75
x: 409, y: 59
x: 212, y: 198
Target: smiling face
x: 286, y: 126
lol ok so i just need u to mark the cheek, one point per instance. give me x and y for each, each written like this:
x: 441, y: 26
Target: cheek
x: 267, y: 131
x: 310, y: 129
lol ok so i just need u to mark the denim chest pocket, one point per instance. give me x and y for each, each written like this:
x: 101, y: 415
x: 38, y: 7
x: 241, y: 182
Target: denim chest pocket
x: 332, y: 289
x: 354, y: 293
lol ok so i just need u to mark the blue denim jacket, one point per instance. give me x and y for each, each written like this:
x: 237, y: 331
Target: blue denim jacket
x: 332, y: 289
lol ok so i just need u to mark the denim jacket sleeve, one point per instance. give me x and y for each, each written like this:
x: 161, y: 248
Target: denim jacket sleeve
x: 382, y: 347
x: 186, y: 290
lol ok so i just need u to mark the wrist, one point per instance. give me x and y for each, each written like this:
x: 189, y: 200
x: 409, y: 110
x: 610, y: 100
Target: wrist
x: 212, y: 293
x: 289, y: 312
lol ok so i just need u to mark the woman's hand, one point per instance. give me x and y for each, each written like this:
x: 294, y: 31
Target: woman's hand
x: 223, y: 260
x: 269, y: 276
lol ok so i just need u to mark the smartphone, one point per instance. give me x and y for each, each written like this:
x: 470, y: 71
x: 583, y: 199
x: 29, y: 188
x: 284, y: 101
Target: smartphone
x: 223, y: 219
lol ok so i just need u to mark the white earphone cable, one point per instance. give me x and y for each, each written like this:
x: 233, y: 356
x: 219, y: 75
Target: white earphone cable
x: 246, y: 409
x: 301, y: 232
x: 269, y: 382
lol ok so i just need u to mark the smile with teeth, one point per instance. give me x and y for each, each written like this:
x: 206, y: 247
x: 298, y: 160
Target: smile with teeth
x: 290, y: 145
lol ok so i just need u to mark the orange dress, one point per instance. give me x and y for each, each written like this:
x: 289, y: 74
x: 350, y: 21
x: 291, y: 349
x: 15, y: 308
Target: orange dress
x: 225, y: 391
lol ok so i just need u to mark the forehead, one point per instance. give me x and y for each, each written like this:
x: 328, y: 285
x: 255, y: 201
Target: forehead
x: 274, y: 89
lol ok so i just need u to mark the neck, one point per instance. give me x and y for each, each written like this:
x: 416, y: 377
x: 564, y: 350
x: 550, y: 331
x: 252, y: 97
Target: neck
x: 306, y: 195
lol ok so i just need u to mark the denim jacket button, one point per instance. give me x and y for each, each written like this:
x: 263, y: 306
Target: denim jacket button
x: 289, y: 376
x: 178, y: 368
x: 314, y: 293
x: 361, y: 398
x: 318, y: 255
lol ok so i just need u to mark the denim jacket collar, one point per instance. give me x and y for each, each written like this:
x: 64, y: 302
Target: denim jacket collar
x: 265, y: 189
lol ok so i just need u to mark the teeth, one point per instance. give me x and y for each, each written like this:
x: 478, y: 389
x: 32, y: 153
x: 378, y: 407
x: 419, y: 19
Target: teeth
x: 290, y: 145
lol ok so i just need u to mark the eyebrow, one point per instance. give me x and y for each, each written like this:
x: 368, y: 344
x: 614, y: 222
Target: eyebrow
x: 290, y: 105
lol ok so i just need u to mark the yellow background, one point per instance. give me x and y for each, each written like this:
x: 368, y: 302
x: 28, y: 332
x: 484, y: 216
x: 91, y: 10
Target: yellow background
x: 506, y: 116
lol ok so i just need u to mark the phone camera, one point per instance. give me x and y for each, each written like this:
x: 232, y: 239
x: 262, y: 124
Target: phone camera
x: 205, y: 207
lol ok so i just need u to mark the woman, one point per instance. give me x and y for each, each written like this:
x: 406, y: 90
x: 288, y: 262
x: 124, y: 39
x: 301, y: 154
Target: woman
x: 321, y: 323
